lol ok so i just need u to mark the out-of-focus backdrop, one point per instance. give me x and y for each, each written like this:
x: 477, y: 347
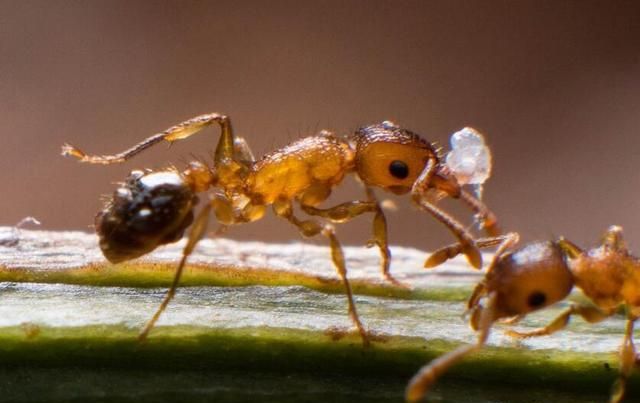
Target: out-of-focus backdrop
x: 554, y: 85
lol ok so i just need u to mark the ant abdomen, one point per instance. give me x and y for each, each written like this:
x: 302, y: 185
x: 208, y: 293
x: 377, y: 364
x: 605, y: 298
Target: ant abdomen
x: 148, y: 210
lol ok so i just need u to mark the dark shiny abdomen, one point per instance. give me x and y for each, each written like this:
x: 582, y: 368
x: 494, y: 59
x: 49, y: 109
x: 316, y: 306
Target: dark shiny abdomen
x: 149, y: 210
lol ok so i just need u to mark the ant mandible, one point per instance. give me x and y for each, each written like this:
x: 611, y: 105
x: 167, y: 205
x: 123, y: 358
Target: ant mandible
x: 537, y: 275
x: 155, y: 208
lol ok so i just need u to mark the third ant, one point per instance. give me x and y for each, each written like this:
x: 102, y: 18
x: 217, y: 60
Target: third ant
x: 537, y: 275
x: 155, y: 208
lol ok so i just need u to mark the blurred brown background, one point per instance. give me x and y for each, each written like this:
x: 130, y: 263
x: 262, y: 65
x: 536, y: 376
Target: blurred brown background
x: 555, y: 86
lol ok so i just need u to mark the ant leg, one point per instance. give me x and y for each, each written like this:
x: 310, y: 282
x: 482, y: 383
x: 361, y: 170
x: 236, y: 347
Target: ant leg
x: 223, y: 210
x: 380, y: 238
x: 479, y: 291
x: 487, y: 218
x: 450, y: 251
x: 198, y: 230
x: 418, y: 191
x: 481, y: 320
x: 178, y: 132
x: 310, y: 228
x: 227, y: 213
x: 473, y: 304
x: 447, y: 184
x: 346, y: 211
x: 343, y: 212
x: 589, y: 313
x: 467, y: 244
x: 429, y: 374
x: 627, y: 362
x: 338, y: 260
x: 512, y: 320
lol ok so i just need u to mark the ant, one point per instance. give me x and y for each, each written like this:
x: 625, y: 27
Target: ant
x: 537, y: 275
x: 155, y: 208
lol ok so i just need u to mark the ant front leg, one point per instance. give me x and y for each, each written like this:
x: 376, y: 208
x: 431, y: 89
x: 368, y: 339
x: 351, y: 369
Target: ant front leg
x: 421, y: 382
x: 310, y: 228
x: 467, y: 244
x: 488, y: 220
x: 349, y: 210
x: 481, y: 289
x: 482, y: 318
x: 418, y: 191
x: 450, y: 251
x: 589, y: 313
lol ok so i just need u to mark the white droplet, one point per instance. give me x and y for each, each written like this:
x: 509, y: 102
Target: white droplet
x: 469, y: 158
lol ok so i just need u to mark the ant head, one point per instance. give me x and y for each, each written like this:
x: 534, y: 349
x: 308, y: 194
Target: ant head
x: 529, y: 278
x: 148, y: 210
x: 390, y: 157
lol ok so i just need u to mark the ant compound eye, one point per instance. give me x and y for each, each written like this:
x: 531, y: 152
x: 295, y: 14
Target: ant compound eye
x: 536, y: 299
x: 399, y: 169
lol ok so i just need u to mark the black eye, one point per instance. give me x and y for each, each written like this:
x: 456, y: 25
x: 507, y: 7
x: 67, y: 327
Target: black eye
x: 398, y: 169
x: 536, y: 299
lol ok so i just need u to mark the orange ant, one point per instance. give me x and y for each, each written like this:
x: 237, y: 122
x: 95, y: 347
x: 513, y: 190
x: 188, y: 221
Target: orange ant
x: 155, y: 208
x: 539, y: 274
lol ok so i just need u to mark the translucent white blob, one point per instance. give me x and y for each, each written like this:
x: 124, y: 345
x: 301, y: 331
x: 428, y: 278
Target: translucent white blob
x: 469, y: 158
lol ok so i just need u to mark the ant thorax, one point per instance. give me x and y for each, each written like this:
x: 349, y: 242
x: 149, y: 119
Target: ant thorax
x: 313, y: 164
x: 607, y: 276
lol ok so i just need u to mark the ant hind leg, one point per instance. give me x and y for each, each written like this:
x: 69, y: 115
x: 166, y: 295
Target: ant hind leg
x: 198, y: 230
x: 174, y: 133
x: 421, y: 382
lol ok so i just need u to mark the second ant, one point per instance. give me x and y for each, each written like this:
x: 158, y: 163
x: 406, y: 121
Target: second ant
x: 538, y: 274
